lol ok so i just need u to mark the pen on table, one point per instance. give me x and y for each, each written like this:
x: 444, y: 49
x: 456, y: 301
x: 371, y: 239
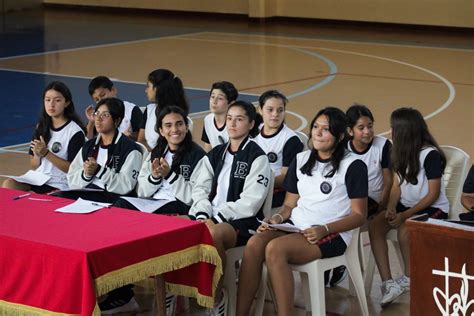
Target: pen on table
x: 21, y: 196
x: 44, y: 200
x: 101, y: 205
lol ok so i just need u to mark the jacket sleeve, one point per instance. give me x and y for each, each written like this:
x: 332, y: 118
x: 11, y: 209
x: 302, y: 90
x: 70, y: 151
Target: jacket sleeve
x: 147, y: 185
x: 122, y: 182
x: 201, y: 183
x: 75, y: 175
x: 253, y: 195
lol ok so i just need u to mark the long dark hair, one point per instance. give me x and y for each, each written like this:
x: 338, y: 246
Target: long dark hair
x: 410, y: 135
x: 169, y: 90
x: 162, y: 144
x: 45, y: 122
x: 338, y: 129
x: 252, y: 114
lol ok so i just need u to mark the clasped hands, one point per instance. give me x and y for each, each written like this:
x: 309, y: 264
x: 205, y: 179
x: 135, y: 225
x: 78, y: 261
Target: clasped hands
x: 159, y: 168
x: 39, y: 147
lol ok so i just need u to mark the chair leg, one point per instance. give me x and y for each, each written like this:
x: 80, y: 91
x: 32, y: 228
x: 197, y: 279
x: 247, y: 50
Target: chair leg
x: 306, y: 290
x: 316, y: 287
x: 369, y: 274
x: 358, y: 282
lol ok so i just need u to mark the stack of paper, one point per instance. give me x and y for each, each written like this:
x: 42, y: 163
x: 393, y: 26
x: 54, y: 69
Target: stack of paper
x: 82, y: 207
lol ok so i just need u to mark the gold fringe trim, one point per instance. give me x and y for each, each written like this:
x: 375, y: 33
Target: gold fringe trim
x: 162, y: 264
x: 13, y: 309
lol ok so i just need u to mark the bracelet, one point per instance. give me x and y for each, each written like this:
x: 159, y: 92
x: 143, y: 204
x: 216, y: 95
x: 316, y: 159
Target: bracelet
x: 46, y: 153
x: 281, y: 217
x: 327, y: 229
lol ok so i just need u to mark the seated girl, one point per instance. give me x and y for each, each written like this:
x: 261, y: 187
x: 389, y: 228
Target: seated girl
x: 162, y: 88
x: 230, y: 185
x: 109, y: 162
x: 58, y: 136
x: 278, y: 141
x: 326, y: 197
x: 166, y: 171
x: 418, y: 188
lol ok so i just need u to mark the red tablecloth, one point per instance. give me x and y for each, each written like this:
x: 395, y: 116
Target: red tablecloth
x: 59, y: 263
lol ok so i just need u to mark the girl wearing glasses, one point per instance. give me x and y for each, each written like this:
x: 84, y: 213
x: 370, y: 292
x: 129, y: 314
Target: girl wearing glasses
x: 280, y: 143
x: 58, y: 136
x: 109, y: 162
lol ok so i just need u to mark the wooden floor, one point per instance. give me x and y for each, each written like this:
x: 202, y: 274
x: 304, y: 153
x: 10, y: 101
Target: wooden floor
x: 315, y: 64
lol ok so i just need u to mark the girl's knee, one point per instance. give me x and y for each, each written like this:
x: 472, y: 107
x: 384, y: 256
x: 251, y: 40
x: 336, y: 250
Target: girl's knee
x: 273, y: 251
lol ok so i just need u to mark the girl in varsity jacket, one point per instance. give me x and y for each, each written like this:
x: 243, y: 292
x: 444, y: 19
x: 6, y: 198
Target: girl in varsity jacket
x: 418, y: 188
x: 58, y: 136
x: 166, y: 172
x: 231, y: 183
x: 326, y: 197
x: 110, y: 161
x: 280, y: 143
x: 375, y: 152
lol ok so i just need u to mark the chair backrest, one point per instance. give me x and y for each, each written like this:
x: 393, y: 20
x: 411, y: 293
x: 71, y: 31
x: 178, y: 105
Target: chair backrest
x: 267, y: 205
x: 304, y: 138
x: 457, y: 166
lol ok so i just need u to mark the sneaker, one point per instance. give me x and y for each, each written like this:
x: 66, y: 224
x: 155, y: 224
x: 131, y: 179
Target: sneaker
x: 404, y: 282
x: 170, y: 303
x: 391, y: 290
x: 221, y: 308
x: 326, y: 277
x: 338, y: 274
x: 112, y: 305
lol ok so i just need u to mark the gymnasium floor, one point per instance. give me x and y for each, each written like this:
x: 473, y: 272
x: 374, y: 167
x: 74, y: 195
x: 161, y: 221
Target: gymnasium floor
x: 315, y: 65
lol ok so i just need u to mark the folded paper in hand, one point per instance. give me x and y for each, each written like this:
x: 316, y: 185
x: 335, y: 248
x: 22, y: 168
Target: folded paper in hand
x: 286, y: 227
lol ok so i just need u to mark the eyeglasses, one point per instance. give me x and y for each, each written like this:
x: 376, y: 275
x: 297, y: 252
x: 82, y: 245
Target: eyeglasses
x: 101, y: 115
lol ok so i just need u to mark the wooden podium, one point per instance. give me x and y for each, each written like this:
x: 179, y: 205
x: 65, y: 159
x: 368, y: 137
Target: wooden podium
x: 442, y: 269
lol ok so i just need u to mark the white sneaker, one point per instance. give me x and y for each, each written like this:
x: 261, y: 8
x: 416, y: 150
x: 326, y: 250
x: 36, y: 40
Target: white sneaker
x: 170, y: 303
x: 221, y: 308
x: 404, y: 282
x: 391, y: 290
x: 119, y: 306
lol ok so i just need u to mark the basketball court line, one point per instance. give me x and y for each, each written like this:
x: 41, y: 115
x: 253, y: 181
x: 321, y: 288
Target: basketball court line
x: 339, y: 41
x: 445, y: 105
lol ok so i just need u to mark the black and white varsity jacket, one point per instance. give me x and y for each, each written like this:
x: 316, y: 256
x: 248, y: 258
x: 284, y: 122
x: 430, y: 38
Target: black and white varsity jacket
x: 119, y: 175
x: 178, y: 178
x: 248, y: 186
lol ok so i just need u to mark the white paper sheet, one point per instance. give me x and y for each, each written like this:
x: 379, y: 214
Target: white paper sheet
x: 31, y: 177
x: 146, y: 205
x: 82, y: 207
x: 286, y: 227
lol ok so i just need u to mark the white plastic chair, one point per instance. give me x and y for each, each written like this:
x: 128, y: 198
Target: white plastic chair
x: 143, y: 150
x: 304, y: 139
x: 457, y: 166
x: 312, y: 277
x: 190, y: 124
x: 235, y: 255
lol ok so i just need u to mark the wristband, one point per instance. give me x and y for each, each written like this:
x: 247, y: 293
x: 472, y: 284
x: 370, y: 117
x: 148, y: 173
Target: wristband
x: 46, y: 153
x: 327, y: 229
x: 281, y: 217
